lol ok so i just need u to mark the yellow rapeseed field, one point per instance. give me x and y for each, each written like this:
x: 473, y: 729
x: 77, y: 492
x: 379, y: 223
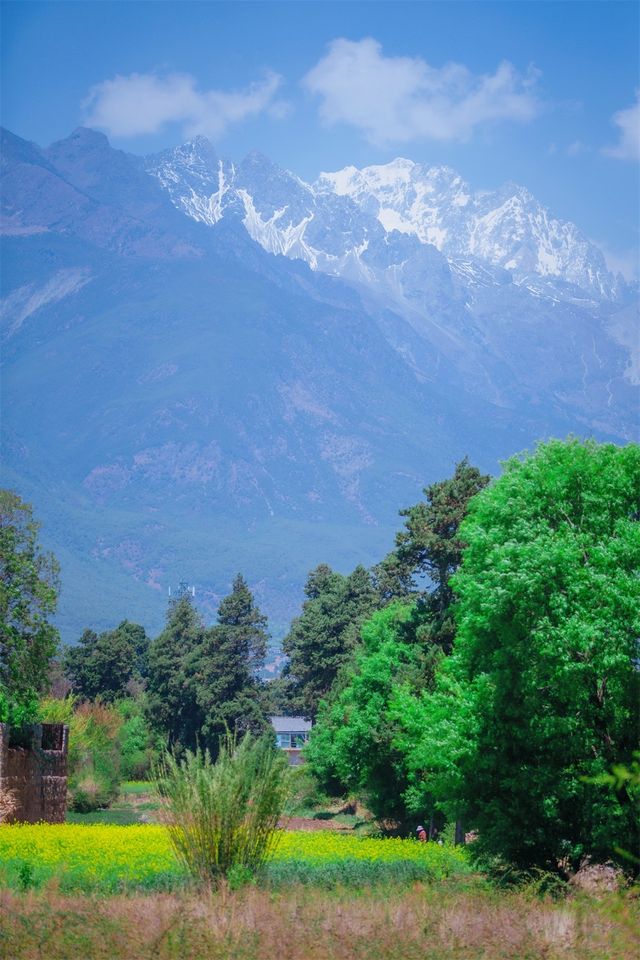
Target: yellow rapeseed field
x: 116, y: 856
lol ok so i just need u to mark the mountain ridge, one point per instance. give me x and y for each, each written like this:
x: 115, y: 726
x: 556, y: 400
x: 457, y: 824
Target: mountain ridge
x: 184, y: 398
x: 518, y: 234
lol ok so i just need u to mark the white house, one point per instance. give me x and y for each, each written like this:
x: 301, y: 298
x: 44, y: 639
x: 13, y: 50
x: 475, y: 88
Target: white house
x: 291, y: 735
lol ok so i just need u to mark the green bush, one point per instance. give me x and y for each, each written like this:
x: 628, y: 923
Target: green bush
x: 222, y: 816
x: 140, y: 746
x: 94, y: 750
x: 18, y: 714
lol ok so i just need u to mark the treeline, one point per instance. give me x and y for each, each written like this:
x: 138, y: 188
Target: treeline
x: 196, y: 681
x: 127, y: 697
x: 507, y: 692
x: 485, y: 671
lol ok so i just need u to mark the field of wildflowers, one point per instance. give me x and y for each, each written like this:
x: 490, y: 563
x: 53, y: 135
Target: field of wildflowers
x: 144, y: 906
x: 109, y: 858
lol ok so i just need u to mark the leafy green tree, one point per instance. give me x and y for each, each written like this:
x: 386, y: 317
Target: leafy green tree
x: 352, y: 743
x: 224, y: 668
x: 29, y: 586
x: 322, y: 639
x: 172, y: 704
x: 541, y: 695
x: 140, y: 746
x: 104, y: 665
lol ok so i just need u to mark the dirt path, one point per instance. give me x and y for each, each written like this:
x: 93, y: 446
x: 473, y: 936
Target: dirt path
x: 302, y: 823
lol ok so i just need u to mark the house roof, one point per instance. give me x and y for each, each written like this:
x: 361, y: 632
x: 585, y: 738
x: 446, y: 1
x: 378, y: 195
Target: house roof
x: 290, y: 724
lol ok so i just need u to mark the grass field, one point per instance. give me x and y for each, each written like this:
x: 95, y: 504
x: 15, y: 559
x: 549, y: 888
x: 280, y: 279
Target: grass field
x: 135, y: 804
x: 106, y: 892
x: 438, y: 921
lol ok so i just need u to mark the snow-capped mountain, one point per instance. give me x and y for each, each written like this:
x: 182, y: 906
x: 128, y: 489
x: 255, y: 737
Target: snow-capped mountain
x: 373, y: 225
x: 508, y: 227
x: 185, y: 398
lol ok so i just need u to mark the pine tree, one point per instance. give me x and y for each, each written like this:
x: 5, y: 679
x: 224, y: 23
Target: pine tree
x: 238, y: 612
x: 430, y: 549
x: 225, y: 668
x: 322, y: 639
x: 173, y: 706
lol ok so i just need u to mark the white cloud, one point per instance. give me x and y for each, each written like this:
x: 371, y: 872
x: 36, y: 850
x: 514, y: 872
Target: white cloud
x: 144, y: 102
x: 398, y: 99
x: 628, y: 122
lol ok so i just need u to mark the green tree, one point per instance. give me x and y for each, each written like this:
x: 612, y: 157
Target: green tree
x: 352, y: 743
x: 140, y: 746
x: 322, y: 639
x: 430, y: 547
x: 28, y: 596
x: 542, y: 692
x: 241, y: 619
x: 104, y: 665
x: 172, y: 704
x: 224, y: 668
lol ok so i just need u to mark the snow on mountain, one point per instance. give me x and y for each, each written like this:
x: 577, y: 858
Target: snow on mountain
x: 265, y: 396
x: 507, y: 227
x: 347, y: 223
x: 195, y: 179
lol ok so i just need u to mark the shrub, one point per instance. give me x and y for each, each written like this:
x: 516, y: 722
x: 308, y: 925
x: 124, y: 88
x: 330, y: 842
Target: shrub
x: 223, y: 815
x: 140, y: 746
x: 94, y: 750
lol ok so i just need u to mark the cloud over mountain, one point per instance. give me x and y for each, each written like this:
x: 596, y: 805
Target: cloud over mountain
x: 400, y: 99
x: 143, y: 103
x: 628, y: 123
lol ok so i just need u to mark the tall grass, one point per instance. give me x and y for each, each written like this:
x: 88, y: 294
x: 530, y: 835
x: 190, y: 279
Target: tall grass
x: 222, y: 816
x: 94, y: 750
x: 424, y: 921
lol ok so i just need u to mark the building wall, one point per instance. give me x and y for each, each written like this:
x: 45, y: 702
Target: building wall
x: 294, y: 755
x: 36, y: 774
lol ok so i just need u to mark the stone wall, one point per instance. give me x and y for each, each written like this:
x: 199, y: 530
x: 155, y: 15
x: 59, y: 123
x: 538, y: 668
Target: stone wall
x: 36, y: 772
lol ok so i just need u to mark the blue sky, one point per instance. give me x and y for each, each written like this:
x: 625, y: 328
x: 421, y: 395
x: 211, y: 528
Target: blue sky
x: 543, y: 93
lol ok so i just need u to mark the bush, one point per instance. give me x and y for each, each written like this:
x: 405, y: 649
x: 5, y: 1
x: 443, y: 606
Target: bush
x: 140, y: 746
x: 223, y: 815
x: 94, y: 750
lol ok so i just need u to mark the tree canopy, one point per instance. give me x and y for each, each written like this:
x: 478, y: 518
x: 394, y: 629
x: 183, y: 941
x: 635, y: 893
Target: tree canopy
x: 224, y: 668
x: 204, y: 682
x: 171, y: 695
x: 352, y: 745
x: 542, y: 690
x: 323, y: 637
x: 28, y: 597
x: 104, y: 665
x: 430, y: 546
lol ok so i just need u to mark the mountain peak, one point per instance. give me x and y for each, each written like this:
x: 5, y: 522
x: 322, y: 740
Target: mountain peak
x: 86, y: 137
x: 255, y: 158
x: 338, y: 223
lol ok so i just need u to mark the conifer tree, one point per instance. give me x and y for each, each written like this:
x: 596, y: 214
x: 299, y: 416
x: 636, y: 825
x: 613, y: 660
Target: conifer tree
x: 246, y: 625
x: 225, y: 668
x: 323, y: 637
x: 173, y: 706
x: 430, y: 549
